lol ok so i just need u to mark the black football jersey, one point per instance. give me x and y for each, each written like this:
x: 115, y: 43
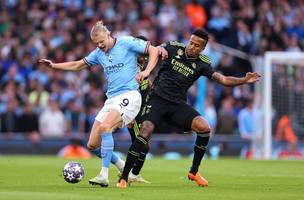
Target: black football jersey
x: 144, y: 89
x: 178, y: 72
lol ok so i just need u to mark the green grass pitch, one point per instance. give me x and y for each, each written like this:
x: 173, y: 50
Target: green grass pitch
x: 39, y: 177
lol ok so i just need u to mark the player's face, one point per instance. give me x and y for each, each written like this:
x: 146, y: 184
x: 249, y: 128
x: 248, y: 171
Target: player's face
x: 195, y: 46
x: 102, y: 41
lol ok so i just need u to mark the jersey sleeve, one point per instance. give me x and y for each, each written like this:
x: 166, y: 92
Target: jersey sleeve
x: 168, y: 46
x: 207, y: 69
x: 136, y: 44
x: 91, y: 59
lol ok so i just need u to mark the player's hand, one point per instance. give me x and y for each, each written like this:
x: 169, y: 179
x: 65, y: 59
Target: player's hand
x: 163, y: 53
x: 141, y: 76
x: 46, y: 62
x: 252, y: 77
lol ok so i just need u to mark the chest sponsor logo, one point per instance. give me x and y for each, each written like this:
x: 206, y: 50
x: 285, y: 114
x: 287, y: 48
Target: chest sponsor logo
x: 181, y: 68
x: 113, y: 68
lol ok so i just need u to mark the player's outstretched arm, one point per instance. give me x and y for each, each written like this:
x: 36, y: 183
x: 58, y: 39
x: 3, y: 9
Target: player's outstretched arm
x: 153, y: 58
x: 250, y: 77
x: 70, y: 66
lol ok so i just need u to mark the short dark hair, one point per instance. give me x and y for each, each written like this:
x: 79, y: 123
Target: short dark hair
x: 201, y: 33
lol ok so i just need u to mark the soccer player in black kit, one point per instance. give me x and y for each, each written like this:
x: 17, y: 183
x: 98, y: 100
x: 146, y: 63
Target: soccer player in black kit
x: 167, y: 102
x: 134, y: 127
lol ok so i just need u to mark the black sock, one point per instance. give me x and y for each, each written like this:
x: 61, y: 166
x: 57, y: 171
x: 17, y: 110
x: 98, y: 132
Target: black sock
x: 140, y: 161
x: 133, y: 154
x: 200, y: 147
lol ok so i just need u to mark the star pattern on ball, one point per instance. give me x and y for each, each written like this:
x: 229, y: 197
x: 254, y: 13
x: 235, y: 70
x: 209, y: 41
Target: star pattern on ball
x: 77, y: 168
x: 73, y: 172
x: 70, y: 177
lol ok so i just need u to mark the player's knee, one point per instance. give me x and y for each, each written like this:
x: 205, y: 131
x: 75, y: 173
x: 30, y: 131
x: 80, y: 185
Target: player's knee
x: 146, y: 148
x: 147, y: 128
x: 104, y: 127
x: 200, y: 125
x: 90, y: 146
x: 204, y: 129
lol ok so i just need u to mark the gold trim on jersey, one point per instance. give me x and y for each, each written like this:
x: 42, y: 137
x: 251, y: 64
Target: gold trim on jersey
x: 175, y: 43
x: 205, y: 59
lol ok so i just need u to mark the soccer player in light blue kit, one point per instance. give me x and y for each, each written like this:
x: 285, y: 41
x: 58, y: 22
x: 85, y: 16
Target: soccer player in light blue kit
x: 118, y: 57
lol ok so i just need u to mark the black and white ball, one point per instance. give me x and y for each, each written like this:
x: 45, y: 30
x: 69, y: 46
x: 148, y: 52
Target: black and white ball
x: 73, y: 172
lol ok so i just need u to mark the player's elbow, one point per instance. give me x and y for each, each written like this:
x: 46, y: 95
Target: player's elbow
x: 80, y: 64
x: 153, y: 51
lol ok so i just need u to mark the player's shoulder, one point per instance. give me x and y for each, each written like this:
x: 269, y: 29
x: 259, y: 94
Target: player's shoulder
x: 96, y: 51
x: 129, y: 40
x: 176, y: 44
x: 205, y: 59
x: 125, y: 38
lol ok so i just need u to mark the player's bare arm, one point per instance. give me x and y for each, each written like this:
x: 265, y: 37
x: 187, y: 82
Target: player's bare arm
x: 68, y: 66
x: 250, y: 77
x: 153, y: 58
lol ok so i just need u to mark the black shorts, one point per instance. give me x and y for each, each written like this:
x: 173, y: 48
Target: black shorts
x: 175, y: 114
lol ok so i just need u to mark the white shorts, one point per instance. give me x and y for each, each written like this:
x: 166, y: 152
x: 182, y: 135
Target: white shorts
x: 127, y: 104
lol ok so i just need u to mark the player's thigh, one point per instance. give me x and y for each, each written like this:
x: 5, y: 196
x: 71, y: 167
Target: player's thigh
x: 106, y: 120
x: 119, y: 110
x: 155, y: 110
x: 183, y: 116
x: 108, y: 117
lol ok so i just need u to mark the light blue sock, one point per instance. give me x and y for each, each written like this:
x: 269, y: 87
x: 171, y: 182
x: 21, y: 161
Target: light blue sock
x: 114, y: 158
x: 107, y: 146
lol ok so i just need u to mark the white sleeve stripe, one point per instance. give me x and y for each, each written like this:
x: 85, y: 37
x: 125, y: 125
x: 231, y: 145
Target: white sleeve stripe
x: 147, y: 47
x: 86, y: 62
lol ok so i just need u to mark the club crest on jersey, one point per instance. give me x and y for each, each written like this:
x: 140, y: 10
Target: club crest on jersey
x: 194, y: 65
x: 180, y: 53
x: 110, y: 58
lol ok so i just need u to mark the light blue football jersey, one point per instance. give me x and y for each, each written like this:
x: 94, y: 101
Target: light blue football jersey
x: 119, y: 64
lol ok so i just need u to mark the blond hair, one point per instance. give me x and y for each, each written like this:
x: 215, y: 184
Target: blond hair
x: 99, y: 28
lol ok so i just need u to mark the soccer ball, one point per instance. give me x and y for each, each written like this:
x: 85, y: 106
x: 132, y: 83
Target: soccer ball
x: 73, y: 172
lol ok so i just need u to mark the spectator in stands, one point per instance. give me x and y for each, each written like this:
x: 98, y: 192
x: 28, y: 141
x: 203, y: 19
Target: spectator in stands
x: 28, y: 123
x: 75, y: 119
x: 52, y: 122
x: 13, y: 75
x: 249, y: 122
x: 210, y: 113
x: 226, y: 121
x: 39, y: 97
x: 9, y: 119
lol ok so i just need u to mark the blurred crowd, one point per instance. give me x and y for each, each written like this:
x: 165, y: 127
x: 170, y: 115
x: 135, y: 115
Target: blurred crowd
x: 52, y: 103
